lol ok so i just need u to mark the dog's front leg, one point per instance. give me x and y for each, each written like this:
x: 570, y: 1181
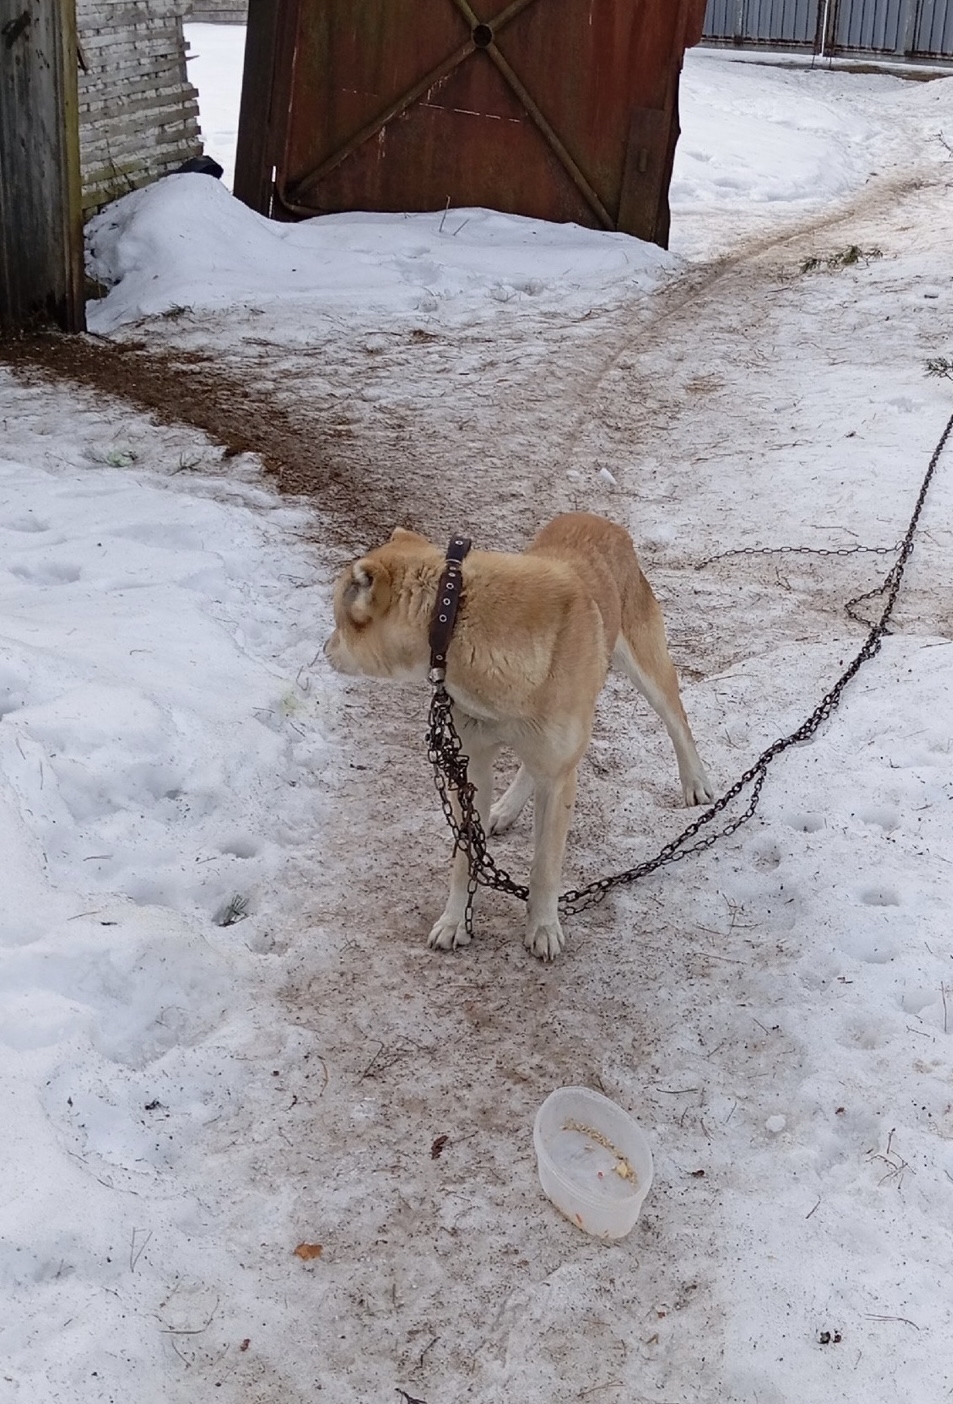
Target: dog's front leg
x: 450, y: 931
x: 554, y: 804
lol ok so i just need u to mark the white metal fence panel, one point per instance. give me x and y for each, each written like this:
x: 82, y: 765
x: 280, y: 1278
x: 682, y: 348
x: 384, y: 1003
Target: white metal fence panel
x: 916, y: 29
x: 870, y: 24
x: 763, y: 21
x: 934, y: 33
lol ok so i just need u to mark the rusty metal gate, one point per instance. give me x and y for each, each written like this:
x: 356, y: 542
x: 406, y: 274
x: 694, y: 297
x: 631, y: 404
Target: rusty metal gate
x: 558, y: 109
x: 918, y: 30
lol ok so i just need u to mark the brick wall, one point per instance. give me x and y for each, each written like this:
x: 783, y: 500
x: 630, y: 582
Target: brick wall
x: 138, y: 112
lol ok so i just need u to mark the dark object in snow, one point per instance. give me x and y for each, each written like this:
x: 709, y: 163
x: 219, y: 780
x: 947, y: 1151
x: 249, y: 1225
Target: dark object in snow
x: 436, y: 1150
x: 235, y: 910
x: 200, y: 165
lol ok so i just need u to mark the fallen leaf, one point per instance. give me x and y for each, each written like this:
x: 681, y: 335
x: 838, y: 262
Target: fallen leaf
x: 307, y: 1251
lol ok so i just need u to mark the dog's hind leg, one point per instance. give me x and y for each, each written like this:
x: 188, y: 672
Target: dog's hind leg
x: 450, y: 930
x: 642, y: 653
x: 509, y: 807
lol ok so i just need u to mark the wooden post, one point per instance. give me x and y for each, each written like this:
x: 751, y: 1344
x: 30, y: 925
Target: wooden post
x: 41, y: 233
x: 263, y: 116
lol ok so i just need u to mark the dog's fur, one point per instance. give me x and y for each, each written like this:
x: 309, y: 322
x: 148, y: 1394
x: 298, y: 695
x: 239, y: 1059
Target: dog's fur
x: 533, y: 642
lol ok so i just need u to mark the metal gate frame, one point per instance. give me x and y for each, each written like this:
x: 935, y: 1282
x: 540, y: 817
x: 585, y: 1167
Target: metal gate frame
x: 483, y: 37
x: 281, y: 79
x: 923, y: 28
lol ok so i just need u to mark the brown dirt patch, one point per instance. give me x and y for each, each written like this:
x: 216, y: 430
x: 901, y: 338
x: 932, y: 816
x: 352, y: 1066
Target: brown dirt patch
x: 190, y: 387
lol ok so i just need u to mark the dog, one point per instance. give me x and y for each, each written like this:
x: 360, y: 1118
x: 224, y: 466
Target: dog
x: 532, y: 646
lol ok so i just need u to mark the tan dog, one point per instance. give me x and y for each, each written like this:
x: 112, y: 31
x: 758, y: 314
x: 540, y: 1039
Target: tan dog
x: 530, y: 652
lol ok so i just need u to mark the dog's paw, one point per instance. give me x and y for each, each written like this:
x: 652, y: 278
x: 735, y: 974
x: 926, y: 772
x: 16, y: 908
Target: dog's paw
x: 449, y: 933
x: 545, y: 939
x: 697, y: 789
x: 501, y: 817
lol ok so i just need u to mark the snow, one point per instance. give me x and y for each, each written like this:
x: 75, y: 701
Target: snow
x: 223, y: 1034
x: 216, y: 59
x: 190, y: 244
x: 786, y: 138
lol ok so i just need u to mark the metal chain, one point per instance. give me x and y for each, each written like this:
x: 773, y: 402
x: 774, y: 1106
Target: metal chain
x: 798, y: 551
x: 445, y: 751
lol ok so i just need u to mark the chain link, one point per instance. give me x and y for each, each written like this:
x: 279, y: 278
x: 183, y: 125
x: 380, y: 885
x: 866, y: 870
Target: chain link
x: 445, y: 749
x: 798, y: 551
x: 445, y: 752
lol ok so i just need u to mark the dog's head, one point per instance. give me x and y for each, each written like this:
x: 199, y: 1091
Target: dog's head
x: 382, y: 607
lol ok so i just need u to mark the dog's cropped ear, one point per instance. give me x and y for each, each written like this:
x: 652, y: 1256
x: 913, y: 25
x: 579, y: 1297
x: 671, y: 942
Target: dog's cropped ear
x: 402, y: 537
x: 367, y: 591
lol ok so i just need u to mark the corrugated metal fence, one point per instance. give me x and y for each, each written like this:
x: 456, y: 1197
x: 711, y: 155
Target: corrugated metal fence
x: 897, y: 29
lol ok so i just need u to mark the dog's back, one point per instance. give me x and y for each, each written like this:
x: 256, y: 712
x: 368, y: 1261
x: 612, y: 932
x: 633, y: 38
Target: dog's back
x: 602, y: 555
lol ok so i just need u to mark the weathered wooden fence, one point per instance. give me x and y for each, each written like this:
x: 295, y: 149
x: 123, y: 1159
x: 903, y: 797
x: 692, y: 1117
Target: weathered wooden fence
x: 216, y: 11
x: 94, y: 101
x: 138, y: 112
x: 41, y: 242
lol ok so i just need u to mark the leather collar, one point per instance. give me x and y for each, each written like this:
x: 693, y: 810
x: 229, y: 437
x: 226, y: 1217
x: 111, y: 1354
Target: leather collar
x: 444, y: 615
